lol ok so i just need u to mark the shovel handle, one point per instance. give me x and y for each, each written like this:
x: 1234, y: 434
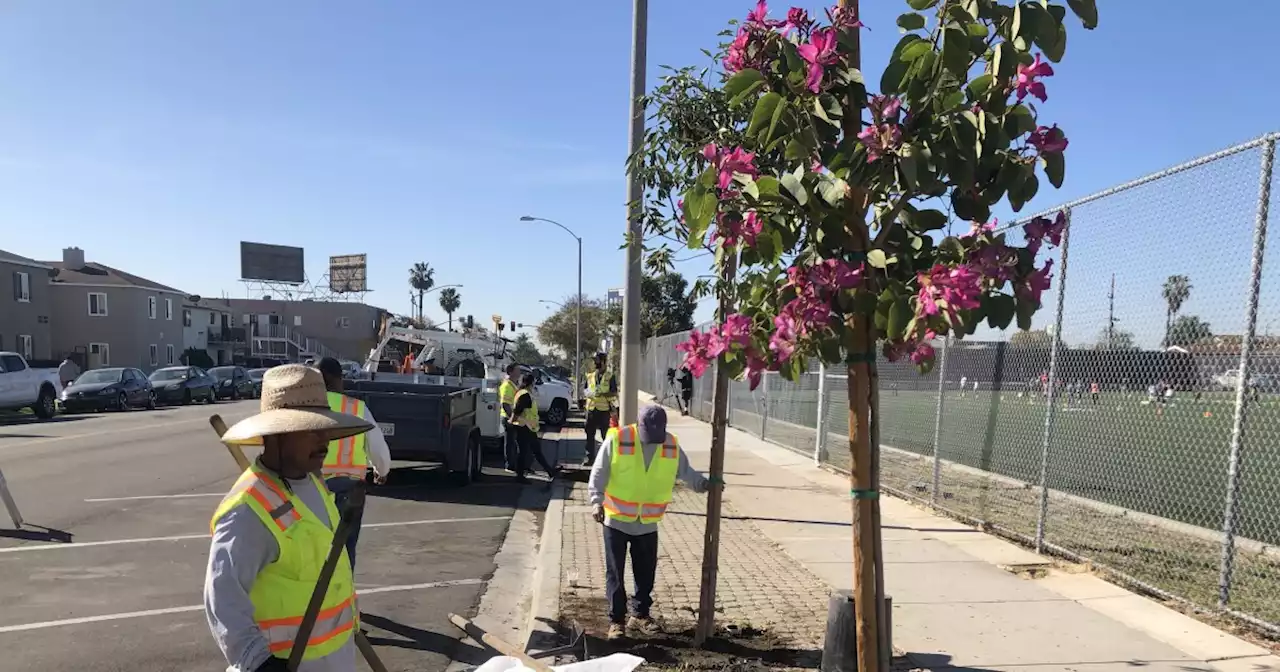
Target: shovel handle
x: 220, y: 427
x: 355, y: 502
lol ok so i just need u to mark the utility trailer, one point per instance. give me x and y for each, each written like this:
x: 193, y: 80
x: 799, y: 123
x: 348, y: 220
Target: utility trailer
x: 426, y: 423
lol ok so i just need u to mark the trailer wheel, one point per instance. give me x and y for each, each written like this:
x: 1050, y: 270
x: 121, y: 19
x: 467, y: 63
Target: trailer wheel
x: 471, y: 472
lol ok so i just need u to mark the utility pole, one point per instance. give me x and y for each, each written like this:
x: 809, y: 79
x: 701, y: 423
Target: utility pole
x: 628, y: 402
x: 1111, y: 315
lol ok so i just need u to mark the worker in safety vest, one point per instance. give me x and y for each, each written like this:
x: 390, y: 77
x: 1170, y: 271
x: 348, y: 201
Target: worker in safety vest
x: 602, y: 397
x: 524, y: 418
x: 507, y: 401
x: 273, y: 530
x: 630, y: 486
x: 349, y: 459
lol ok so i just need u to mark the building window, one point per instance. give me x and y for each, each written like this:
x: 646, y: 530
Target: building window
x: 186, y: 317
x: 24, y: 345
x: 151, y: 307
x: 98, y: 304
x: 213, y: 319
x: 155, y: 354
x: 343, y: 322
x: 297, y: 320
x: 168, y: 354
x: 21, y: 287
x: 244, y: 319
x: 102, y: 352
x: 168, y: 309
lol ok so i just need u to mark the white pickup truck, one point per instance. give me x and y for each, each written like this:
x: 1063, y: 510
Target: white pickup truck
x: 24, y: 387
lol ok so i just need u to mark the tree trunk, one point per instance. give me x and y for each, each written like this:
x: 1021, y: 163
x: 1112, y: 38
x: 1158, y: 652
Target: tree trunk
x: 862, y: 491
x: 450, y: 321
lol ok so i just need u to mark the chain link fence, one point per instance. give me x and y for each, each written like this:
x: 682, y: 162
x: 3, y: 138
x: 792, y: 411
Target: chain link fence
x: 1135, y: 427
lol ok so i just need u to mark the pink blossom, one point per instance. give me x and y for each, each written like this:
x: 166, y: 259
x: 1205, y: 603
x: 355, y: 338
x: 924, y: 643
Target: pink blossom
x: 1027, y: 83
x: 680, y: 210
x: 819, y: 53
x: 994, y: 261
x: 922, y: 353
x: 816, y: 166
x: 884, y: 108
x: 977, y: 228
x: 756, y: 366
x: 1039, y: 229
x: 1036, y: 282
x: 759, y: 17
x: 700, y: 350
x: 785, y: 335
x: 1048, y: 140
x: 737, y: 160
x: 880, y: 140
x: 956, y: 288
x: 739, y: 55
x: 736, y: 330
x: 797, y: 19
x: 843, y: 18
x: 836, y: 274
x: 733, y: 229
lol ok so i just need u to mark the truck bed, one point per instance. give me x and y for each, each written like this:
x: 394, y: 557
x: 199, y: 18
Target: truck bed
x: 434, y: 423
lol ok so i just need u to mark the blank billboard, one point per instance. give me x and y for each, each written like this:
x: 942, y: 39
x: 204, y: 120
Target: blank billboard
x: 271, y: 263
x: 348, y: 273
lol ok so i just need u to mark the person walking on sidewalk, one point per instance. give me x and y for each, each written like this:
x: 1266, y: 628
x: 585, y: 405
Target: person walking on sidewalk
x: 602, y: 396
x: 272, y: 533
x: 348, y: 459
x: 630, y: 486
x: 524, y: 416
x: 507, y: 402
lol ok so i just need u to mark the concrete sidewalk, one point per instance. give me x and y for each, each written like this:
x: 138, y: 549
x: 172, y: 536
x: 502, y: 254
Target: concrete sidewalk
x: 961, y: 598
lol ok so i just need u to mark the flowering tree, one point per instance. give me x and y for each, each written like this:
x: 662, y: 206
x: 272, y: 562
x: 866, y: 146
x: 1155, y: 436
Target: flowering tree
x: 823, y: 205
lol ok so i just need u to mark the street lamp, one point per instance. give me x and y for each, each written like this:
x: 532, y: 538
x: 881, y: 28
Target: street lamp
x: 577, y: 359
x: 550, y: 303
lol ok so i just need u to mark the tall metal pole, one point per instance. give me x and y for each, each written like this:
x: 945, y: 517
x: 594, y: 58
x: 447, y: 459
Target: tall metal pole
x: 1050, y: 404
x: 628, y: 399
x: 1232, y: 514
x: 937, y: 422
x: 577, y: 360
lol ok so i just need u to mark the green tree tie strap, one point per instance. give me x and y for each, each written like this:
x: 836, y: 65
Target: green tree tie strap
x: 864, y: 494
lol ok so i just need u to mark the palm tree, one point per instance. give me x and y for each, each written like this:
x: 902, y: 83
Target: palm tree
x: 450, y: 301
x: 1176, y: 291
x: 422, y: 278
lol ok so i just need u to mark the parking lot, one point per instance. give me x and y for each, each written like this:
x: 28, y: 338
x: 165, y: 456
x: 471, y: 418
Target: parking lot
x: 107, y: 574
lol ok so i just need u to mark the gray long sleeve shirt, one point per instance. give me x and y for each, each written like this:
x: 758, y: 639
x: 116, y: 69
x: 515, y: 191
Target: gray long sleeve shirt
x: 600, y: 479
x: 242, y: 546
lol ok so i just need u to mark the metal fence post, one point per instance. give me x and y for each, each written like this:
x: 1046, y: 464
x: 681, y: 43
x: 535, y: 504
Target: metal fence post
x: 764, y: 406
x: 937, y: 421
x: 820, y: 422
x: 1246, y: 364
x: 1049, y: 410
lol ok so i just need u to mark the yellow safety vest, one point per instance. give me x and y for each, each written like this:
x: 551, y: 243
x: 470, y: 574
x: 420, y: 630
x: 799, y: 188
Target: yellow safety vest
x: 506, y: 396
x: 529, y: 417
x: 599, y: 398
x: 282, y: 589
x: 347, y: 457
x: 634, y: 492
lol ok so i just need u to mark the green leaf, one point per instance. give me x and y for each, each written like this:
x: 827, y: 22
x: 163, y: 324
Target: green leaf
x: 921, y: 4
x: 952, y: 101
x: 767, y: 187
x: 914, y: 50
x: 1015, y: 27
x: 778, y: 111
x: 821, y: 112
x: 1024, y: 192
x: 741, y: 85
x: 926, y: 220
x: 976, y: 30
x: 1019, y: 121
x: 1055, y: 167
x: 1053, y: 40
x: 700, y: 205
x: 909, y: 166
x: 797, y: 150
x: 898, y: 317
x: 1005, y: 62
x: 969, y: 208
x: 877, y: 259
x: 955, y: 51
x: 1026, y: 310
x: 748, y: 186
x: 979, y: 86
x: 999, y: 309
x: 794, y: 187
x: 911, y: 21
x: 1087, y: 10
x: 763, y: 112
x: 833, y: 190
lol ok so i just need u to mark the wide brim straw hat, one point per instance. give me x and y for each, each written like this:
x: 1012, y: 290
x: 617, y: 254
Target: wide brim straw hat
x: 294, y: 399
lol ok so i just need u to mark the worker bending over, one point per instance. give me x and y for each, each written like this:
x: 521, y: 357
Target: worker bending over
x: 524, y: 414
x: 602, y: 397
x: 348, y: 459
x: 630, y: 487
x: 507, y: 401
x: 273, y: 531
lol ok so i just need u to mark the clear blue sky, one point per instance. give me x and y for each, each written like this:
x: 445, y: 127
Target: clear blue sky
x: 157, y: 135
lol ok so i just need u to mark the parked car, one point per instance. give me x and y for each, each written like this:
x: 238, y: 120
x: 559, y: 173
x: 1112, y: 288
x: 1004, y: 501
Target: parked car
x: 256, y: 376
x: 552, y: 396
x: 24, y: 387
x: 109, y: 389
x: 232, y: 382
x: 183, y: 385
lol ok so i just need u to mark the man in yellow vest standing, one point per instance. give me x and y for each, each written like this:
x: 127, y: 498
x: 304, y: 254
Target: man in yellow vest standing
x: 602, y: 397
x: 349, y: 459
x: 524, y: 418
x: 630, y: 486
x: 272, y: 533
x: 507, y: 401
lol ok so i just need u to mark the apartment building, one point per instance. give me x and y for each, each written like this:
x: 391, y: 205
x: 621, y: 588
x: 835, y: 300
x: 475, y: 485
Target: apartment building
x: 207, y: 326
x: 299, y: 329
x: 113, y: 317
x: 25, y: 306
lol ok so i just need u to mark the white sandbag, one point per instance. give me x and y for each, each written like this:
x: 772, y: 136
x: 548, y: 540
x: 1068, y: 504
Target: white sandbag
x: 618, y: 662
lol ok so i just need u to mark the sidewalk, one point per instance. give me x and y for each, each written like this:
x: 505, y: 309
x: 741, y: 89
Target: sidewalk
x: 960, y: 598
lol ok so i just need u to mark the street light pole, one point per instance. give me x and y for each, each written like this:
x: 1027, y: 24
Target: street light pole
x: 577, y: 358
x: 628, y: 400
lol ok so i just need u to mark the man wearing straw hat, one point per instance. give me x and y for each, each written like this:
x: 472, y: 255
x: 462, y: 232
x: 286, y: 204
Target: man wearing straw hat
x: 273, y: 531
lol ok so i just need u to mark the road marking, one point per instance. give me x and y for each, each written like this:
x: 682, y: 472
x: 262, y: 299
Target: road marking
x: 125, y: 499
x: 122, y: 430
x: 200, y: 607
x: 188, y: 537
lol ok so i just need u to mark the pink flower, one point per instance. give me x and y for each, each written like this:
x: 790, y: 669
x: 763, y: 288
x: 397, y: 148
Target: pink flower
x: 819, y: 53
x: 880, y: 140
x: 738, y: 57
x: 977, y: 229
x: 1036, y: 282
x: 737, y: 160
x: 1026, y: 82
x: 756, y: 366
x: 1048, y: 140
x: 922, y: 353
x: 816, y: 166
x: 1038, y: 229
x: 994, y: 260
x: 843, y: 18
x: 700, y: 350
x: 884, y: 108
x: 785, y: 335
x: 759, y: 17
x: 797, y: 19
x: 680, y: 210
x: 733, y: 228
x: 736, y: 330
x: 952, y: 289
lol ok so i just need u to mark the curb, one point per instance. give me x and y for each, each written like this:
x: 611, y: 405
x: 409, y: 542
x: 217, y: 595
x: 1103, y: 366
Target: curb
x: 544, y: 612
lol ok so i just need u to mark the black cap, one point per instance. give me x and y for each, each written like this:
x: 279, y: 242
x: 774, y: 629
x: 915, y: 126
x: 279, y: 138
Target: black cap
x: 601, y: 355
x: 329, y: 367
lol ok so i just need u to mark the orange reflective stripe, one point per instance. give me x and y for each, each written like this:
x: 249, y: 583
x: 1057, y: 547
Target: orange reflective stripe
x: 330, y: 623
x: 652, y: 511
x: 620, y: 506
x: 262, y: 499
x: 669, y: 450
x: 627, y: 440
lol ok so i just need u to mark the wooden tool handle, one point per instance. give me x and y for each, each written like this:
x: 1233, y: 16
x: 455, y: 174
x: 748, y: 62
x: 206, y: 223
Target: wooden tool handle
x: 220, y: 426
x: 501, y: 646
x: 355, y: 502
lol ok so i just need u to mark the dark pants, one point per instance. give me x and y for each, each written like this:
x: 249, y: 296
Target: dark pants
x: 596, y: 420
x: 530, y: 447
x: 341, y: 488
x: 644, y: 566
x: 511, y: 446
x: 687, y: 397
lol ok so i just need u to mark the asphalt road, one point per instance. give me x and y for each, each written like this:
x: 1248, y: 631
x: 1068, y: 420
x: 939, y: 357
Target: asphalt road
x: 107, y: 573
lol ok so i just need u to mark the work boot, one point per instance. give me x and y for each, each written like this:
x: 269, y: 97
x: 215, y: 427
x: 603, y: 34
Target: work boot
x: 644, y: 624
x: 616, y: 631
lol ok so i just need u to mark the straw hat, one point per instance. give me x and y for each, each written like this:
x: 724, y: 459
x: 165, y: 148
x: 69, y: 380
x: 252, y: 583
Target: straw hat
x: 294, y: 399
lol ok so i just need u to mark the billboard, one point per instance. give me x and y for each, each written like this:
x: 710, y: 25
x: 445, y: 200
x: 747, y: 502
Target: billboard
x: 348, y: 273
x: 271, y: 263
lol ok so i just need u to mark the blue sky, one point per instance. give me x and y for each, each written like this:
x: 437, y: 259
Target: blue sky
x: 157, y: 135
